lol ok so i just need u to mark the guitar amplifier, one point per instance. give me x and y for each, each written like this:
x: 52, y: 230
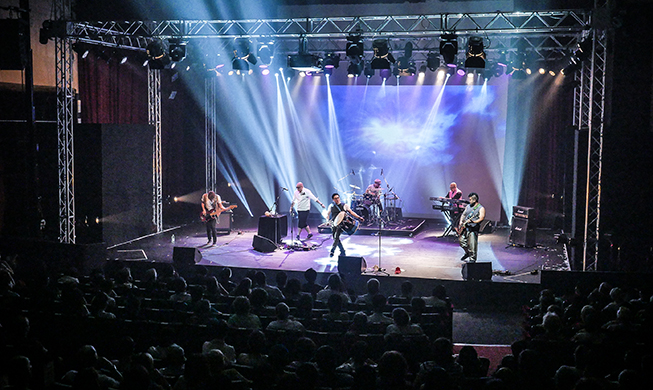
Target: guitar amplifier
x: 522, y: 233
x: 523, y: 212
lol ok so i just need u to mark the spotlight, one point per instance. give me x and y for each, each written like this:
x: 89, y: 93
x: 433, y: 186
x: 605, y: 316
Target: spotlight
x: 382, y: 56
x: 265, y: 72
x: 517, y: 66
x: 552, y: 73
x: 461, y: 72
x: 422, y: 70
x: 385, y: 73
x: 584, y: 49
x: 177, y: 49
x: 355, y: 69
x: 432, y: 61
x: 449, y: 48
x: 266, y: 53
x: 331, y: 60
x: 354, y: 48
x: 475, y: 53
x: 156, y: 53
x: 123, y: 60
x: 498, y: 69
x: 369, y: 72
x: 541, y: 71
x: 242, y: 51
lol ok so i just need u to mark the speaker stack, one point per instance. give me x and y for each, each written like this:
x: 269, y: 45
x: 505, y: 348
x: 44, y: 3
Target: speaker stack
x: 184, y: 256
x: 477, y: 271
x: 522, y: 229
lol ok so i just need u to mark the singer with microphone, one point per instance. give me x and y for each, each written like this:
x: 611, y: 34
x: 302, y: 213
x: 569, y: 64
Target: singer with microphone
x: 302, y: 197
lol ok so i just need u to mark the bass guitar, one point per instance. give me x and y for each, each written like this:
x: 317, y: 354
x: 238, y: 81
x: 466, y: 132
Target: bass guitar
x: 215, y: 213
x: 467, y: 223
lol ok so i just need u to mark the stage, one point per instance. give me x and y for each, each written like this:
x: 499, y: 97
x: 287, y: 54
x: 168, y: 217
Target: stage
x: 423, y: 254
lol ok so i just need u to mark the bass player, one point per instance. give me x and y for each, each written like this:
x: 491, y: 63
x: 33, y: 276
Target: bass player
x: 469, y: 227
x: 211, y: 205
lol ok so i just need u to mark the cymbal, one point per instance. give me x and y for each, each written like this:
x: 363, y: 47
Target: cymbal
x: 353, y: 186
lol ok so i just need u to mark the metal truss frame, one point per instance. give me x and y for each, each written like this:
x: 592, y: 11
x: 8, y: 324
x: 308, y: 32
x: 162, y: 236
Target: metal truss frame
x: 211, y: 133
x: 590, y: 116
x: 65, y: 120
x: 549, y: 35
x: 154, y: 118
x: 546, y: 33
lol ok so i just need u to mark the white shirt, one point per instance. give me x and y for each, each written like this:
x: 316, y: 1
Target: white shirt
x: 302, y: 200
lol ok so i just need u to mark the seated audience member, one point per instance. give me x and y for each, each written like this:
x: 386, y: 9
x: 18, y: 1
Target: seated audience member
x: 293, y: 292
x: 358, y: 325
x: 18, y: 373
x: 219, y: 328
x: 73, y: 302
x: 203, y: 313
x: 438, y: 298
x: 255, y: 355
x: 283, y: 321
x: 310, y: 286
x: 373, y: 287
x: 401, y: 323
x: 359, y: 357
x: 405, y: 295
x: 221, y: 376
x: 145, y: 359
x: 224, y: 278
x: 99, y: 306
x: 244, y: 288
x: 241, y: 317
x: 87, y: 357
x: 393, y: 368
x: 214, y: 290
x: 274, y: 293
x: 473, y: 367
x: 281, y: 278
x: 259, y: 303
x: 326, y: 359
x: 174, y: 363
x: 442, y: 357
x: 377, y: 316
x: 303, y: 352
x: 334, y: 287
x: 180, y: 295
x: 335, y: 306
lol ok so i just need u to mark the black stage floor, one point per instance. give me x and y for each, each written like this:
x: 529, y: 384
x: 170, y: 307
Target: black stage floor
x: 421, y: 253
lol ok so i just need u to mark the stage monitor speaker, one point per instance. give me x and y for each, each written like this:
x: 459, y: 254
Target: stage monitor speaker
x: 263, y: 244
x: 272, y: 226
x: 351, y: 265
x: 184, y: 256
x: 477, y: 271
x: 522, y: 233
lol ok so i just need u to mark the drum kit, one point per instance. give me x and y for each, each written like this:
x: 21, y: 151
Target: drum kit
x: 371, y: 209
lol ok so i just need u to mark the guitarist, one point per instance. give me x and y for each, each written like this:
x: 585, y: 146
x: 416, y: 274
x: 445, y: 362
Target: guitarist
x: 336, y: 208
x: 211, y: 202
x: 469, y: 226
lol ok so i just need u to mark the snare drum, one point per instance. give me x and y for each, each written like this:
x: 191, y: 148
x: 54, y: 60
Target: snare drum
x: 369, y: 199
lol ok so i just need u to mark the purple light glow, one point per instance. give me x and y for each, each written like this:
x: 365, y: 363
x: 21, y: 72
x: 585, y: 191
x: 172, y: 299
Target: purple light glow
x: 461, y: 72
x: 265, y: 72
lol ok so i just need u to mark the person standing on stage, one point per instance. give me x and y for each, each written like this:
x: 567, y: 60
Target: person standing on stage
x: 303, y: 198
x: 336, y: 208
x: 211, y: 202
x: 469, y: 227
x: 454, y: 191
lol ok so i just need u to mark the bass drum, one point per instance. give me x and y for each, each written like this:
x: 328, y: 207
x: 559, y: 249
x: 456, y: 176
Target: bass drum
x: 363, y: 211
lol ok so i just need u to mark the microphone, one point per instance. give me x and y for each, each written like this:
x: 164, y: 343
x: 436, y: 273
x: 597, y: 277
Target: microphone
x: 381, y: 171
x: 352, y: 173
x: 284, y: 188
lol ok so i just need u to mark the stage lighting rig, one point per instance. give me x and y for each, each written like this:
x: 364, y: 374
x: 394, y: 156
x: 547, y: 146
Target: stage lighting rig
x: 177, y: 49
x: 475, y: 57
x: 354, y: 49
x: 405, y: 65
x: 355, y: 69
x: 517, y: 67
x: 156, y: 54
x: 369, y: 72
x: 265, y: 53
x: 449, y: 49
x: 331, y: 60
x: 243, y: 55
x: 382, y: 56
x: 305, y: 61
x: 432, y: 61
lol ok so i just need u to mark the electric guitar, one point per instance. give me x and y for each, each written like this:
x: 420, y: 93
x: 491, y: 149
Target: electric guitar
x: 215, y: 213
x: 467, y: 223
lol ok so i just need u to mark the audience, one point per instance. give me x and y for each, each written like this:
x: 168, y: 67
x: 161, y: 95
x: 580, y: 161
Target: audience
x: 591, y: 339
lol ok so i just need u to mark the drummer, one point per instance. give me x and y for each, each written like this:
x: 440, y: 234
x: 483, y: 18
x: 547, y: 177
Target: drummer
x: 337, y: 213
x: 373, y: 191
